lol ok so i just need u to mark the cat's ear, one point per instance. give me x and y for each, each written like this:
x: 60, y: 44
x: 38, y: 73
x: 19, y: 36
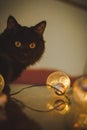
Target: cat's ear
x: 40, y: 27
x: 11, y: 23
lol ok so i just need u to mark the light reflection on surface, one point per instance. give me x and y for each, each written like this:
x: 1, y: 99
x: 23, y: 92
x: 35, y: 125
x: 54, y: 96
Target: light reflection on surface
x: 67, y: 113
x: 81, y: 121
x: 60, y: 105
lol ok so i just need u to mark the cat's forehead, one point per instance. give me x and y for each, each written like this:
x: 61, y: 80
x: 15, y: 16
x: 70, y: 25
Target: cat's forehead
x: 26, y: 33
x: 25, y: 30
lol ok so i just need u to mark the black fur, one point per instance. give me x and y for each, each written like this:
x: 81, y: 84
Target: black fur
x: 20, y: 46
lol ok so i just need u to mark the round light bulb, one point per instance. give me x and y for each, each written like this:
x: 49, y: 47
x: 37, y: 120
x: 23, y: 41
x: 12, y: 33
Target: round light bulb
x: 80, y: 89
x: 58, y: 83
x: 2, y: 83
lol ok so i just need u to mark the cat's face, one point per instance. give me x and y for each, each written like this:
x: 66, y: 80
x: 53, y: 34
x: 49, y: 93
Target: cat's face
x: 24, y: 44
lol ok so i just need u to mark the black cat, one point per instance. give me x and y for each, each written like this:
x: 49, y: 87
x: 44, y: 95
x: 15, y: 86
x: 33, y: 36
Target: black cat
x: 20, y: 46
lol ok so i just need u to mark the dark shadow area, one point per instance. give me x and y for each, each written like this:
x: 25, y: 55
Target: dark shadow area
x: 13, y: 118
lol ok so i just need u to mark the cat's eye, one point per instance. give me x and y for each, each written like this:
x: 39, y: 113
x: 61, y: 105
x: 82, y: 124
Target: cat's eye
x: 18, y: 44
x: 32, y: 45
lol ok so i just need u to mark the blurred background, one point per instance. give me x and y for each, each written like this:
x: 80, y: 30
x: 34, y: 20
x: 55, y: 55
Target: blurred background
x: 65, y: 34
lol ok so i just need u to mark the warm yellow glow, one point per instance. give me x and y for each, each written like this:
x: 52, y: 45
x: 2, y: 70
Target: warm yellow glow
x: 80, y: 90
x: 60, y: 106
x: 3, y: 100
x: 76, y: 125
x: 49, y: 106
x: 67, y: 107
x: 83, y: 82
x: 65, y: 110
x: 81, y: 121
x: 2, y: 83
x: 59, y: 81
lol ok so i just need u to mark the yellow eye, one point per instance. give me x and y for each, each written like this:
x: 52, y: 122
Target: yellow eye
x: 32, y: 45
x: 18, y: 44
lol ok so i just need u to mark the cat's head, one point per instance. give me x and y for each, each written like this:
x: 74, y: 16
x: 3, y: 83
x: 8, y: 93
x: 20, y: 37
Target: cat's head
x: 22, y: 43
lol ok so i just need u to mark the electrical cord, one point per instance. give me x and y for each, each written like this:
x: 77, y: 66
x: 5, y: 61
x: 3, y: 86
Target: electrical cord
x: 34, y: 85
x: 34, y: 109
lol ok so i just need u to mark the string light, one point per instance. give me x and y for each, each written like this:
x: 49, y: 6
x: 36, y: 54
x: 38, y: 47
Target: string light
x: 61, y: 105
x: 80, y: 90
x: 60, y: 82
x: 3, y: 97
x: 2, y: 83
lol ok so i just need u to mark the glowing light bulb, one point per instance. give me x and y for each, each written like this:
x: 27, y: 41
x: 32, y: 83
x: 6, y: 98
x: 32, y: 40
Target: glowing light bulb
x: 80, y: 89
x: 2, y: 83
x: 59, y: 81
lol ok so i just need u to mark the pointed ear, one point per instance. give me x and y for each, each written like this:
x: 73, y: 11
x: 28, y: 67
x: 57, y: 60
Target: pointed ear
x: 40, y: 27
x: 11, y: 23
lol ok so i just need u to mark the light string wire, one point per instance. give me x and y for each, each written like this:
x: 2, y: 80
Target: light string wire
x: 34, y: 109
x: 35, y: 85
x: 37, y: 110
